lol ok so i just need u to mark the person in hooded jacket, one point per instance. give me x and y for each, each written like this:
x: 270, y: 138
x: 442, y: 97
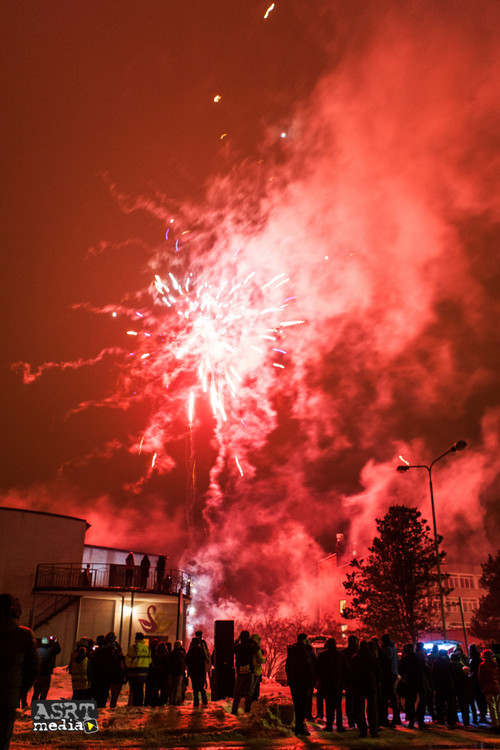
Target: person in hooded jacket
x: 365, y: 676
x: 137, y: 662
x: 413, y: 675
x: 80, y: 672
x: 144, y: 567
x: 129, y: 570
x: 103, y: 668
x: 117, y: 671
x: 474, y: 662
x: 178, y: 673
x: 349, y: 651
x: 300, y: 670
x: 149, y: 691
x: 244, y: 651
x: 385, y: 681
x: 159, y: 675
x: 460, y: 682
x: 19, y: 664
x: 429, y: 703
x: 47, y: 651
x: 196, y: 667
x: 390, y: 696
x: 258, y: 660
x: 331, y: 670
x: 489, y: 682
x: 469, y: 705
x: 444, y: 689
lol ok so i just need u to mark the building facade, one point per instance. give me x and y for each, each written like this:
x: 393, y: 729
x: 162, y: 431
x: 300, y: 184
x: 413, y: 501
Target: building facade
x: 463, y: 599
x: 69, y: 589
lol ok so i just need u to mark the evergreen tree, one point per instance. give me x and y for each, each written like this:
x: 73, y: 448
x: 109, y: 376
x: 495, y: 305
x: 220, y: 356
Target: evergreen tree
x: 395, y: 589
x: 485, y: 622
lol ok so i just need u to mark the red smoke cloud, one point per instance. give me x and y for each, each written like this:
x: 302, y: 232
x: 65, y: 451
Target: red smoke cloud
x: 380, y: 208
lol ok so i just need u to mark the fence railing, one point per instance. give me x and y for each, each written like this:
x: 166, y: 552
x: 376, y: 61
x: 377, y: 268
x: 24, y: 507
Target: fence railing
x: 109, y: 576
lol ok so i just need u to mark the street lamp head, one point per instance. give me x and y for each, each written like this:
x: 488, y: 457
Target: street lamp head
x: 402, y: 468
x: 459, y: 445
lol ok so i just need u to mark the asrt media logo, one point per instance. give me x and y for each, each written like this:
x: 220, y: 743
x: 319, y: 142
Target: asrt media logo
x: 65, y: 716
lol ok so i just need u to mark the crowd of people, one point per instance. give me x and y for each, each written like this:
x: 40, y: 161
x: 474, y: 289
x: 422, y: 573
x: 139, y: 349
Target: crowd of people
x: 157, y: 672
x: 380, y: 685
x: 368, y: 680
x: 140, y: 578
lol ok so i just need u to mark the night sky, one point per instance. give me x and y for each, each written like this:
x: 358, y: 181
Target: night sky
x: 349, y: 167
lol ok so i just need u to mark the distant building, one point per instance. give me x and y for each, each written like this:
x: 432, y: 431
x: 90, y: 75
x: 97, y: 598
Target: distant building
x: 70, y: 589
x: 464, y: 598
x: 463, y: 579
x: 332, y: 594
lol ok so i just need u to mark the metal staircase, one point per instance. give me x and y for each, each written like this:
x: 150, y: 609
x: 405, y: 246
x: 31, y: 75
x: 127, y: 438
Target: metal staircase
x: 51, y: 606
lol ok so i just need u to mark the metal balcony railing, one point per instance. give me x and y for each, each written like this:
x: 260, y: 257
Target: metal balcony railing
x: 65, y: 576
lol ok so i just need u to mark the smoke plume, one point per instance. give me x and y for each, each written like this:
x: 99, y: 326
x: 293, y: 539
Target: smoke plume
x: 379, y: 213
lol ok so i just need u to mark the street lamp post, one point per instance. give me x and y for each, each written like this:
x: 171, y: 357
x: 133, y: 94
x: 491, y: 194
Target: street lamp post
x: 458, y: 446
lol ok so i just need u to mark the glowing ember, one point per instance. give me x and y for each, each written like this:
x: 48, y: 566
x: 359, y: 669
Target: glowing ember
x: 191, y: 408
x: 271, y: 7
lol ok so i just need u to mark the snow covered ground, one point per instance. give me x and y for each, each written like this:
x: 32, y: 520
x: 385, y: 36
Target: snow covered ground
x: 128, y: 726
x: 268, y: 724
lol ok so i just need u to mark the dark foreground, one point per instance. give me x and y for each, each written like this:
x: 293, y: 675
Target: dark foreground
x: 214, y: 727
x: 268, y: 725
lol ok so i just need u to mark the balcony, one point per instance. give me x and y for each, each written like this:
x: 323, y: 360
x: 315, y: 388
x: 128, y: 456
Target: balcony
x: 108, y: 576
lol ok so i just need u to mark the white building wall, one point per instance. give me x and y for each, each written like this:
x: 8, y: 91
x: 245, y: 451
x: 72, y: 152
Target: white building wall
x: 110, y: 555
x: 28, y: 538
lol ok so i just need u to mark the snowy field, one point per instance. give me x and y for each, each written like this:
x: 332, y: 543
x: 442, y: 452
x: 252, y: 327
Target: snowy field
x: 269, y: 724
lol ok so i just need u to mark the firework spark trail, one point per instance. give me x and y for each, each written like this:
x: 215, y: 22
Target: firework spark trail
x: 216, y: 333
x: 29, y: 376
